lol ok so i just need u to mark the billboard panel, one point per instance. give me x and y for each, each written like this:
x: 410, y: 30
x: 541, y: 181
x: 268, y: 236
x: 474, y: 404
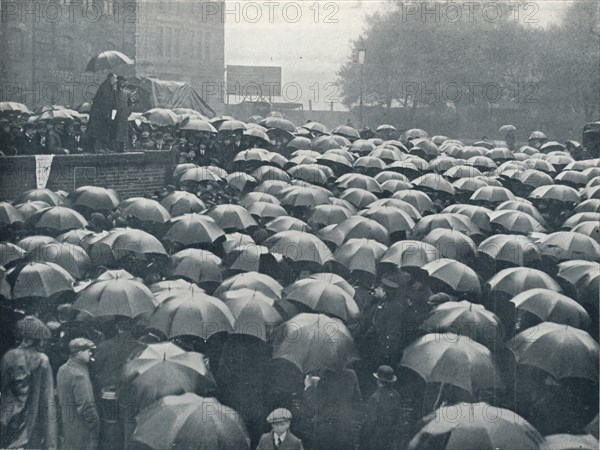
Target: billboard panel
x: 254, y: 81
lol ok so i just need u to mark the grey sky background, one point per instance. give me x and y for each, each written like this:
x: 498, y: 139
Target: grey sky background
x: 310, y: 39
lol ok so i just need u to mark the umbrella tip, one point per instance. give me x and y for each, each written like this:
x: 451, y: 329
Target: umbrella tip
x: 164, y: 356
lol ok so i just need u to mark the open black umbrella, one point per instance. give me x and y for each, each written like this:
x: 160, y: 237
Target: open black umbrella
x: 107, y: 60
x: 182, y: 422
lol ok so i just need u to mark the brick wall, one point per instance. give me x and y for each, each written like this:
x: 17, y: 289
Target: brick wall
x: 130, y: 174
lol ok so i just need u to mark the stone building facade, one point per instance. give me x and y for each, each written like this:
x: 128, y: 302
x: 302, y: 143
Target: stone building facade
x: 46, y: 44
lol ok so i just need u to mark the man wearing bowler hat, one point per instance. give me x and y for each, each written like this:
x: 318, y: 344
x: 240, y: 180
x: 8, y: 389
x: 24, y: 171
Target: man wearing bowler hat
x: 280, y: 438
x: 80, y: 418
x: 383, y: 412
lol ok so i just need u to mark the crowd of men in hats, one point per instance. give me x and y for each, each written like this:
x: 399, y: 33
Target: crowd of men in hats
x: 64, y: 377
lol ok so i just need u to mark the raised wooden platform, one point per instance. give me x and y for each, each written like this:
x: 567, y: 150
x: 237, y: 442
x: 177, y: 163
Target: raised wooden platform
x: 130, y: 174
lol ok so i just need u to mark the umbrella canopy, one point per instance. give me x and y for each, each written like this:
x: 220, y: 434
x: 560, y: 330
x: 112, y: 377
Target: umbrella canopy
x: 518, y: 279
x: 302, y: 196
x: 58, y: 219
x: 299, y: 246
x: 10, y: 253
x: 41, y: 279
x: 523, y: 206
x: 195, y: 124
x: 286, y: 223
x: 70, y: 257
x: 95, y: 198
x: 448, y: 221
x: 161, y: 117
x: 452, y: 359
x: 570, y: 442
x: 559, y: 350
x: 579, y: 218
x: 240, y: 181
x: 269, y: 174
x: 234, y: 240
x: 556, y: 192
x: 32, y: 243
x: 9, y: 215
x: 392, y: 218
x: 144, y: 210
x: 253, y: 281
x: 420, y: 200
x: 312, y: 173
x: 359, y: 198
x: 454, y: 275
x: 115, y: 275
x: 55, y: 114
x: 124, y: 242
x: 479, y: 215
x: 181, y: 422
x: 583, y: 277
x: 198, y: 175
x: 191, y: 313
x: 434, y: 182
x: 151, y: 378
x: 551, y: 306
x: 515, y: 222
x: 178, y: 203
x: 568, y: 245
x: 361, y: 227
x: 452, y: 244
x: 334, y: 279
x: 194, y: 229
x: 29, y: 208
x: 323, y: 297
x: 116, y: 297
x: 14, y: 106
x: 346, y: 131
x: 279, y: 123
x: 168, y: 288
x: 477, y: 426
x: 266, y: 211
x: 253, y: 312
x: 517, y: 250
x: 466, y: 319
x: 199, y: 266
x: 323, y: 215
x: 107, y: 60
x: 230, y: 125
x: 232, y: 217
x: 360, y: 255
x: 314, y: 341
x: 44, y: 195
x: 492, y: 194
x: 409, y: 253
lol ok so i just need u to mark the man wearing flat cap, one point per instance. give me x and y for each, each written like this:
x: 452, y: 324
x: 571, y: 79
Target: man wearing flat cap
x: 280, y: 438
x: 80, y: 419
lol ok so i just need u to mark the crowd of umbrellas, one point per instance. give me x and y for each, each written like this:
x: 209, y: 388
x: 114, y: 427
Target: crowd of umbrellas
x: 296, y: 249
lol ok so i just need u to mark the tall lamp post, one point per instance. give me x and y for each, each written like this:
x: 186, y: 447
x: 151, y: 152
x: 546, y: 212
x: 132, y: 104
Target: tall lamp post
x: 361, y: 61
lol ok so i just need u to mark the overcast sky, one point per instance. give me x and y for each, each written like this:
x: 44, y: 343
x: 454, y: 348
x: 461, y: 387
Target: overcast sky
x: 310, y: 40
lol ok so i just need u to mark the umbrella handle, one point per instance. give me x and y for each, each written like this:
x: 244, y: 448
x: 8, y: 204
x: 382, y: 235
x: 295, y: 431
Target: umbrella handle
x: 438, y: 400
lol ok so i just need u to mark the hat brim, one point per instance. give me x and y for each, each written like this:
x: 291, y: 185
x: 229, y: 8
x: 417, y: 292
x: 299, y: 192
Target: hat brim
x: 393, y: 380
x: 279, y: 420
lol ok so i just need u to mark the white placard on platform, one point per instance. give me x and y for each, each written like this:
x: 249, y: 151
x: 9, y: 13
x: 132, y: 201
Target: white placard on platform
x: 43, y: 163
